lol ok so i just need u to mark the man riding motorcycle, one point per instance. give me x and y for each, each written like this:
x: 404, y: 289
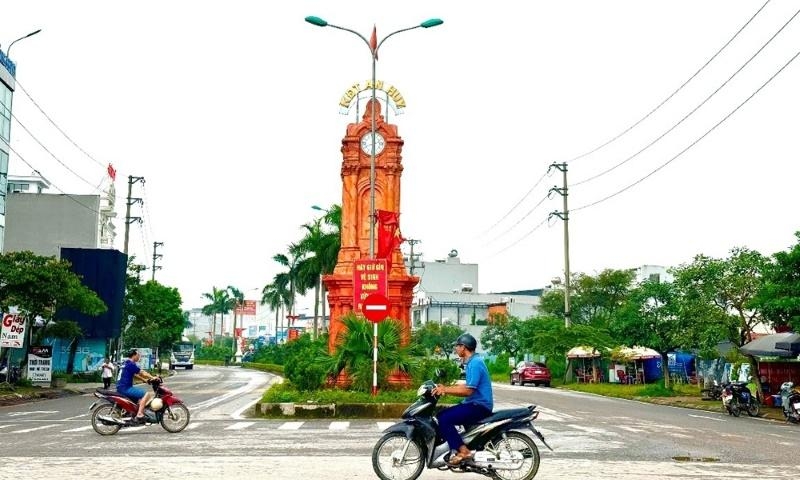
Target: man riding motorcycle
x: 131, y: 370
x: 477, y: 405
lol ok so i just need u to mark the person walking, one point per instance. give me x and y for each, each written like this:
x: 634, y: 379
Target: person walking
x: 107, y: 373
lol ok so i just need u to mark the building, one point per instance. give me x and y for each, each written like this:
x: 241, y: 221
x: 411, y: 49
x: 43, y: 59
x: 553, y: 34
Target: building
x: 7, y: 84
x: 44, y: 223
x: 448, y: 293
x: 655, y: 273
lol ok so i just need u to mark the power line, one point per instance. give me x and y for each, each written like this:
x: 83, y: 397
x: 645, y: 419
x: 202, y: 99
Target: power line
x: 673, y: 93
x: 37, y: 172
x: 520, y: 220
x: 522, y: 237
x: 693, y: 143
x: 55, y: 125
x: 694, y: 109
x: 518, y: 203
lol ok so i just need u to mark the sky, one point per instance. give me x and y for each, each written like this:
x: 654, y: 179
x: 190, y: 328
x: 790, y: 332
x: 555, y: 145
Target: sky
x: 229, y: 110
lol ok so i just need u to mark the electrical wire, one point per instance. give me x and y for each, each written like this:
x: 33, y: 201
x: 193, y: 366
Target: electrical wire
x: 520, y: 220
x: 691, y: 144
x: 55, y: 125
x: 529, y: 233
x: 673, y: 93
x: 37, y: 172
x: 517, y: 204
x: 586, y: 180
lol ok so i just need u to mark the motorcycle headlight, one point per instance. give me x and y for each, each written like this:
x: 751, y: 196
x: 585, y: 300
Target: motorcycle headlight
x: 156, y: 404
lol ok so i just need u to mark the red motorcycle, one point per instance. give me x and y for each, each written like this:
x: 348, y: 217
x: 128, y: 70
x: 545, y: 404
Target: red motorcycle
x: 114, y: 410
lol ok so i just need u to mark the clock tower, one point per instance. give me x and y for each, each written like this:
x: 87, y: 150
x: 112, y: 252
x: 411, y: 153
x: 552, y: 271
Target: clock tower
x: 356, y: 159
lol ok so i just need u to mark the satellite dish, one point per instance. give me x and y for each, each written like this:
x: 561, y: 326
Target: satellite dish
x: 453, y: 253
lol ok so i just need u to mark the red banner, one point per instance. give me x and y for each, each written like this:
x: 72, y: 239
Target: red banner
x: 248, y: 307
x: 369, y: 276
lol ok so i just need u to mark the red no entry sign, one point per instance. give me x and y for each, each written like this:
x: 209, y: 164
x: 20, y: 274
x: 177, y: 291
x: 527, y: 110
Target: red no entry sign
x: 375, y: 307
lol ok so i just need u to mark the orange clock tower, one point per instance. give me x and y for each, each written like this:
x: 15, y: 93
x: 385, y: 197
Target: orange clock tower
x: 356, y: 155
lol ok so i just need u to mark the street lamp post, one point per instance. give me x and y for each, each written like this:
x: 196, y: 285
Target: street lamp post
x: 8, y: 50
x: 373, y: 46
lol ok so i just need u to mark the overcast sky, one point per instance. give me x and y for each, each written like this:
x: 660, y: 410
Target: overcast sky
x: 229, y: 111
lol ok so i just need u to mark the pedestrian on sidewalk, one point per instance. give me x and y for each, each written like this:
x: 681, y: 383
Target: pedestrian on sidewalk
x: 108, y: 373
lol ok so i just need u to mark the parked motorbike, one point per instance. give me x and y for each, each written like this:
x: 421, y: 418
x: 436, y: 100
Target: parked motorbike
x: 713, y: 393
x: 736, y: 398
x: 790, y: 399
x: 114, y: 411
x: 502, y: 451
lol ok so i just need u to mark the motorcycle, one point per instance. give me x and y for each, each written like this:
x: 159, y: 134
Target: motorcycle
x: 790, y: 399
x: 115, y: 411
x: 736, y: 397
x: 502, y: 451
x: 713, y: 393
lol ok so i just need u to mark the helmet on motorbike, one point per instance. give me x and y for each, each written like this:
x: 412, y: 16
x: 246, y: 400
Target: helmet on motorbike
x: 468, y: 341
x: 156, y: 404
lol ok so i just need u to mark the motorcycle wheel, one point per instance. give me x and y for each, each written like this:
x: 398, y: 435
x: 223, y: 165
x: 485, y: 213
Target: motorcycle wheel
x: 388, y: 462
x: 521, y: 447
x: 107, y: 410
x: 175, y: 418
x: 753, y: 408
x: 734, y: 408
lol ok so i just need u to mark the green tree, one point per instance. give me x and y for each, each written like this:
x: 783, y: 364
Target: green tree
x: 218, y: 303
x: 435, y: 338
x: 779, y: 295
x: 155, y: 316
x: 291, y: 277
x: 236, y: 300
x: 592, y: 298
x: 276, y: 295
x: 502, y: 336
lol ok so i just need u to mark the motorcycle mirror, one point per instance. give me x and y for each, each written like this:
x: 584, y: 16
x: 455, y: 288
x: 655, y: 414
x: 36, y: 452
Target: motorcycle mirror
x: 439, y: 373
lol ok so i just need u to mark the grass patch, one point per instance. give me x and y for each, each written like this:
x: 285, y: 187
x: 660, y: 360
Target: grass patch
x: 286, y: 393
x: 652, y: 390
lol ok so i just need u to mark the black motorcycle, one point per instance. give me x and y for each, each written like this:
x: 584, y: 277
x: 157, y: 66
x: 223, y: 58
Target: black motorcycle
x: 713, y: 393
x: 736, y: 397
x: 502, y: 451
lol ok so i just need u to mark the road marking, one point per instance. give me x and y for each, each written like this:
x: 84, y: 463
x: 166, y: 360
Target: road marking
x: 631, y: 429
x: 79, y: 429
x: 8, y: 426
x: 239, y: 425
x: 193, y: 425
x: 291, y: 426
x: 75, y: 417
x: 20, y: 414
x: 339, y: 426
x: 33, y: 429
x: 708, y: 418
x: 384, y: 425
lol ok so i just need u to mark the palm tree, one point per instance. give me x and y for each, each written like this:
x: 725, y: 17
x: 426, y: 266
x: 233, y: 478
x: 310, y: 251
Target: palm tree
x: 218, y: 300
x: 237, y: 298
x: 322, y: 248
x: 292, y: 277
x: 273, y: 296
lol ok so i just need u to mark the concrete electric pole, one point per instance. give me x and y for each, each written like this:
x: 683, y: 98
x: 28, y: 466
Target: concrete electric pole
x: 564, y: 215
x: 156, y: 256
x: 130, y: 201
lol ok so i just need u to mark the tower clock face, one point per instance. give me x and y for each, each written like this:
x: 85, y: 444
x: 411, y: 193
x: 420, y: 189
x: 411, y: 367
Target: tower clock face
x: 366, y: 143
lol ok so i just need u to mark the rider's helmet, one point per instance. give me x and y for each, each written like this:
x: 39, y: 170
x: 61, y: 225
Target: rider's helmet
x: 156, y: 404
x: 468, y: 341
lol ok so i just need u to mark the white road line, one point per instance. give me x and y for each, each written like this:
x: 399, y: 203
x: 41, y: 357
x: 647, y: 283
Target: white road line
x: 631, y: 429
x: 19, y: 414
x: 79, y: 429
x: 75, y: 417
x: 239, y: 425
x: 708, y: 418
x: 193, y: 425
x: 339, y: 426
x: 384, y: 425
x: 33, y: 429
x: 291, y: 426
x: 8, y: 426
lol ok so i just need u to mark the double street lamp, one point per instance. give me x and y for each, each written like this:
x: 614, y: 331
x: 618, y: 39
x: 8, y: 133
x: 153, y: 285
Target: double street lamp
x: 373, y: 46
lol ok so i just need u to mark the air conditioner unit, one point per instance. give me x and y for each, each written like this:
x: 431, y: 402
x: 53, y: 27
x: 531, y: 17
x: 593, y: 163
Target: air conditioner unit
x: 466, y: 287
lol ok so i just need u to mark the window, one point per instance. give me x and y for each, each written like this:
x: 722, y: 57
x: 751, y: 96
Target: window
x: 5, y: 112
x: 655, y: 277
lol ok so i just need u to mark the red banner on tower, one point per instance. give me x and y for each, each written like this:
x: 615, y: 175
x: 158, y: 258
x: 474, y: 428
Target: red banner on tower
x: 369, y: 276
x: 389, y: 236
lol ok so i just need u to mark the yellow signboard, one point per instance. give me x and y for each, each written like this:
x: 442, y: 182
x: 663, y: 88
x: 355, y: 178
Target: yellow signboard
x: 392, y: 94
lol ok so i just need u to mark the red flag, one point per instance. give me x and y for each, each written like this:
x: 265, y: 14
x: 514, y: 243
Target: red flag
x: 373, y: 42
x: 111, y: 172
x: 389, y: 236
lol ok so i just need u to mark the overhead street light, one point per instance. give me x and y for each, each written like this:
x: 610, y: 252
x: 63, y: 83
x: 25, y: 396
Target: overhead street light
x: 8, y: 50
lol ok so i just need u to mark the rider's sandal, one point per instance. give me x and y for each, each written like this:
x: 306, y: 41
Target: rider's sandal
x: 459, y: 458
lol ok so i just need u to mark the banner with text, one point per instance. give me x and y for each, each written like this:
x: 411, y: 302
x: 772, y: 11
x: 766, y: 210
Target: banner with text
x: 12, y: 335
x: 40, y: 364
x: 248, y: 307
x: 369, y: 276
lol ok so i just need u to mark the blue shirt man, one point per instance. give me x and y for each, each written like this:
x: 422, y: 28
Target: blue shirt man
x: 478, y: 404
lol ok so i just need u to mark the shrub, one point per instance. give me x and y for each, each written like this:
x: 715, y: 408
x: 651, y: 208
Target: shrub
x: 425, y: 369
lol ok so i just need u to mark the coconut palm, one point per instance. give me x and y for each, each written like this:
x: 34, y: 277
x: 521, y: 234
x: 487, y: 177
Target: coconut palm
x: 218, y: 301
x: 237, y: 299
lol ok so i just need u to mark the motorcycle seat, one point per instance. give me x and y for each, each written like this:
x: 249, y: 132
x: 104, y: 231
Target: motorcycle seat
x: 103, y: 391
x: 505, y: 414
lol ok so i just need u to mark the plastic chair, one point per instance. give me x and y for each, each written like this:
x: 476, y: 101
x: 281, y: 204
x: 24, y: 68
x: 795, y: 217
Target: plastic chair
x: 623, y: 378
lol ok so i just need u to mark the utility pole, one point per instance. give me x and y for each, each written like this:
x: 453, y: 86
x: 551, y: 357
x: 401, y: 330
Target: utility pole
x: 564, y: 215
x: 156, y: 256
x: 130, y: 201
x: 413, y: 257
x: 138, y: 268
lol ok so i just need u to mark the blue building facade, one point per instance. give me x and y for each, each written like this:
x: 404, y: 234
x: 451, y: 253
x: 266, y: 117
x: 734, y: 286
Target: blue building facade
x: 7, y: 84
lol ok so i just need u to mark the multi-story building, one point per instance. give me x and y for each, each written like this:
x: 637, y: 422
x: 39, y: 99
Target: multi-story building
x: 44, y: 223
x: 7, y: 84
x: 448, y: 293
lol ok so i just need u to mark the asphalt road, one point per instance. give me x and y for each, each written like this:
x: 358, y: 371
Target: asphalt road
x: 592, y: 437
